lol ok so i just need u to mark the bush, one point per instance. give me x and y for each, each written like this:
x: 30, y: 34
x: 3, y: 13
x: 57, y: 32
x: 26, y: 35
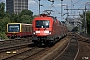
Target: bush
x: 3, y: 35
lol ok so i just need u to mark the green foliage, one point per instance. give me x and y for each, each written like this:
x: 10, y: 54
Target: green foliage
x: 88, y: 16
x: 3, y: 23
x: 2, y: 7
x: 88, y: 20
x: 25, y: 19
x: 26, y: 16
x: 14, y: 18
x: 26, y: 12
x: 3, y: 35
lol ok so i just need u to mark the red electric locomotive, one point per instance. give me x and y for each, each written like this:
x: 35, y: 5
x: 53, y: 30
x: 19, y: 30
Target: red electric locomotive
x: 18, y: 30
x: 47, y: 29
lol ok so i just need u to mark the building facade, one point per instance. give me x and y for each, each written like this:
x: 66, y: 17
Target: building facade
x: 16, y: 6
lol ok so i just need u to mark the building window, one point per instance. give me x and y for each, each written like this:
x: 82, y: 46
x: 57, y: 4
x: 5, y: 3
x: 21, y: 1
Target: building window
x: 19, y: 0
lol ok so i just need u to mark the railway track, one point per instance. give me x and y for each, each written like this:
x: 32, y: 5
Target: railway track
x: 65, y: 49
x: 84, y: 43
x: 28, y: 53
x: 83, y: 39
x: 13, y: 40
x: 20, y: 50
x: 54, y: 50
x: 9, y: 53
x: 77, y: 49
x: 24, y: 54
x: 70, y: 52
x: 11, y: 44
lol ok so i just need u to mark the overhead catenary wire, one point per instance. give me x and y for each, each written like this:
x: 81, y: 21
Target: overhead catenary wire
x: 77, y: 2
x: 40, y: 4
x: 52, y: 6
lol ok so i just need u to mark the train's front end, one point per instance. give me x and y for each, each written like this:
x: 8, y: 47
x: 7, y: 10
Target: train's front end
x: 13, y: 30
x: 42, y: 29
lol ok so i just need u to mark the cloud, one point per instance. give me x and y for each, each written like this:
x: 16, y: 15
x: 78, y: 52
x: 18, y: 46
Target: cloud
x: 31, y: 2
x: 58, y: 5
x: 2, y: 1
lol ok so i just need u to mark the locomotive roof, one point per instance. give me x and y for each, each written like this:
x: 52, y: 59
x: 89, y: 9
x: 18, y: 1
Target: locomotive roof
x: 46, y: 15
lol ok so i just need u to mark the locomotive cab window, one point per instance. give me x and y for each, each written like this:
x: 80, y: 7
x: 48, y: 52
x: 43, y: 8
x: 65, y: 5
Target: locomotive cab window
x: 13, y: 27
x: 42, y: 23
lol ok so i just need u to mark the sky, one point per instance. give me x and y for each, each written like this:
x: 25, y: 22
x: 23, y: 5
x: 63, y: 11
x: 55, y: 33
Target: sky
x: 33, y: 5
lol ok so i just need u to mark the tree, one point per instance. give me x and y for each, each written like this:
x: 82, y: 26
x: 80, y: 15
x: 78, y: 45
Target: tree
x: 4, y: 19
x: 25, y: 19
x: 2, y: 7
x: 87, y: 19
x: 14, y: 18
x: 26, y: 12
x: 3, y: 23
x: 26, y: 16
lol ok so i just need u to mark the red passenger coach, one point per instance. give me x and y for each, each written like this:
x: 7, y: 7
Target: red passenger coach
x: 18, y: 30
x: 46, y: 29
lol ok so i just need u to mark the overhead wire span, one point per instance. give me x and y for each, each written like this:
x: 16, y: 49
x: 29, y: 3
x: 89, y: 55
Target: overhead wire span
x: 41, y: 4
x: 77, y: 2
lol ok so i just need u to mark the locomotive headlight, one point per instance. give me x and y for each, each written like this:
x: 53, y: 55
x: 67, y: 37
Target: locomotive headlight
x: 34, y: 33
x: 46, y: 32
x: 49, y: 32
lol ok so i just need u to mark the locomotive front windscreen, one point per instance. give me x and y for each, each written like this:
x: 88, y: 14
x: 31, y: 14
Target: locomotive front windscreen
x: 13, y: 27
x: 42, y: 23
